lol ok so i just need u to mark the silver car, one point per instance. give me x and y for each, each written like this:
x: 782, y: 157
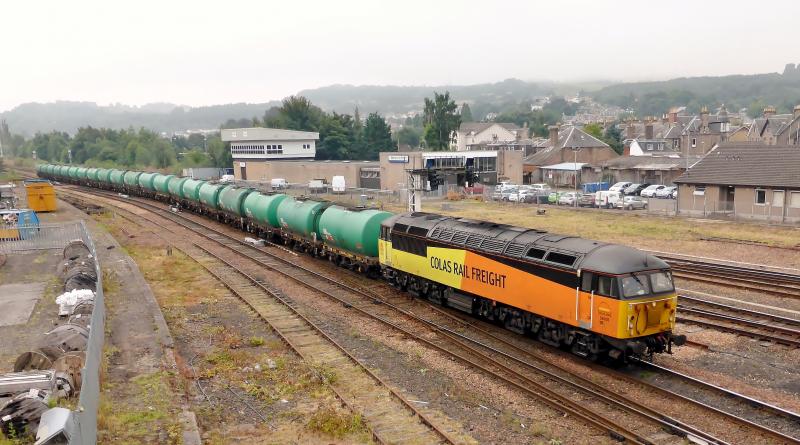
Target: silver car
x: 632, y: 202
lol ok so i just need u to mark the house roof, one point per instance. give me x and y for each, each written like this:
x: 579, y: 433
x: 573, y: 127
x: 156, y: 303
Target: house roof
x: 267, y: 134
x: 775, y: 124
x: 747, y: 164
x: 566, y: 166
x: 568, y: 138
x: 477, y: 127
x: 646, y: 163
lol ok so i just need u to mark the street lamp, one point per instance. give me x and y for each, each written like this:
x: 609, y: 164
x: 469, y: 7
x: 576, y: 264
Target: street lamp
x: 575, y: 151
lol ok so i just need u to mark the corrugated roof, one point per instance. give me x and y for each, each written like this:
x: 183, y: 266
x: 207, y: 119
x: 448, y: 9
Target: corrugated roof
x: 747, y: 164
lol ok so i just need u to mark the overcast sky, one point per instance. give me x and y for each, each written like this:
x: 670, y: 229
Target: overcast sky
x: 200, y: 53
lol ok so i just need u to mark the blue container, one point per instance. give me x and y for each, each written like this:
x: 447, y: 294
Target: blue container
x: 591, y: 187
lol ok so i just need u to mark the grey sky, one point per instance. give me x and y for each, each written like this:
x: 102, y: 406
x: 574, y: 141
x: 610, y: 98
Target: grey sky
x: 199, y: 53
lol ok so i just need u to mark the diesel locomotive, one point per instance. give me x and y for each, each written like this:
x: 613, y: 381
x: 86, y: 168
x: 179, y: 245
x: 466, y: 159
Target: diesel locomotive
x: 599, y: 300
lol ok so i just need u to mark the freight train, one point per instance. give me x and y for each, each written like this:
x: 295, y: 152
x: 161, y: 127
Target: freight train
x: 601, y: 301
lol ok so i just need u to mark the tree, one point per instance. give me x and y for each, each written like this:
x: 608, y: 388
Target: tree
x: 219, y: 153
x: 614, y: 138
x: 377, y: 137
x: 466, y: 113
x: 409, y: 136
x: 594, y: 129
x: 441, y: 121
x: 296, y: 113
x: 335, y: 137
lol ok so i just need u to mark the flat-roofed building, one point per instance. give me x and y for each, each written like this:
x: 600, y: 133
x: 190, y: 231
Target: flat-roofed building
x: 253, y: 146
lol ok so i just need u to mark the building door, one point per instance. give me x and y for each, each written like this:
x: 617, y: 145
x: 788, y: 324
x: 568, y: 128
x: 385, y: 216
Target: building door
x: 727, y: 199
x: 243, y: 172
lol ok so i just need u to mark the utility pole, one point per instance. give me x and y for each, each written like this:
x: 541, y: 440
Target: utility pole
x: 575, y: 151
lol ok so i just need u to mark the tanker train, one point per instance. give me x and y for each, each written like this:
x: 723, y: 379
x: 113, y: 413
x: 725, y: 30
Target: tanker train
x: 599, y: 300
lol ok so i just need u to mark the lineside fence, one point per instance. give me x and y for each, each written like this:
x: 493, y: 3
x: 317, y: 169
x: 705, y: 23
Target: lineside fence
x: 81, y: 427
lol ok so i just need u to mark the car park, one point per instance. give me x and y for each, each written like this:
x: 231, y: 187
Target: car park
x: 569, y: 198
x: 620, y: 186
x: 536, y: 197
x: 650, y: 192
x: 631, y: 203
x: 635, y: 189
x: 586, y: 200
x: 607, y: 198
x: 666, y: 192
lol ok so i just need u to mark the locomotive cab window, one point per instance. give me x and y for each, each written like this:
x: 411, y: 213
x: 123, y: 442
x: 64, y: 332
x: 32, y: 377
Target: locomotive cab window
x: 607, y: 286
x: 661, y: 282
x: 635, y: 285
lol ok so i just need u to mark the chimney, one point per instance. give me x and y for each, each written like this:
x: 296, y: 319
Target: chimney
x: 673, y: 116
x: 796, y: 113
x: 648, y: 129
x: 704, y: 118
x: 629, y: 130
x: 553, y: 135
x: 769, y: 111
x: 626, y: 149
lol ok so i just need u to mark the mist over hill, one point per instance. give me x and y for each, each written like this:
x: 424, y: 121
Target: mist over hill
x: 735, y: 91
x: 645, y: 98
x: 28, y: 119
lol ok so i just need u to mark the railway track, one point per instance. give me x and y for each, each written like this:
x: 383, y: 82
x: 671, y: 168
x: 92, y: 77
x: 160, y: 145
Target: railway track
x: 746, y: 322
x: 391, y: 417
x: 783, y: 284
x: 477, y: 358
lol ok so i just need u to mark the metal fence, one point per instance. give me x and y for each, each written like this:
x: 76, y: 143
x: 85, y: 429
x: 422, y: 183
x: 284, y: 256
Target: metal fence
x: 82, y: 425
x: 40, y: 237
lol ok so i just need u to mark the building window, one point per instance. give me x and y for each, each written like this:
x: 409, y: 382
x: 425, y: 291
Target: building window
x: 694, y: 142
x: 761, y: 196
x: 699, y: 190
x: 777, y: 198
x: 794, y: 200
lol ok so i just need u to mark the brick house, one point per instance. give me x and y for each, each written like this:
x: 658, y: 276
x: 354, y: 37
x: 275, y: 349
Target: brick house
x: 744, y: 181
x: 566, y: 144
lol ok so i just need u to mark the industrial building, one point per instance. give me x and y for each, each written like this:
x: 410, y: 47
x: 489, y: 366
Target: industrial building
x: 251, y: 148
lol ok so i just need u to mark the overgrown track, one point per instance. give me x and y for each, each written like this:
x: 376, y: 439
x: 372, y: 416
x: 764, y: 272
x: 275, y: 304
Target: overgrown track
x: 477, y: 354
x: 391, y: 417
x: 783, y: 284
x: 754, y: 324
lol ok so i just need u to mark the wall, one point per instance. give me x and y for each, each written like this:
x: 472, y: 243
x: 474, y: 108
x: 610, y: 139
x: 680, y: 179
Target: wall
x: 744, y: 204
x: 301, y: 171
x: 291, y: 149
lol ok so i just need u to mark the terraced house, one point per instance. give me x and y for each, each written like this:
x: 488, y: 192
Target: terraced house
x: 744, y: 181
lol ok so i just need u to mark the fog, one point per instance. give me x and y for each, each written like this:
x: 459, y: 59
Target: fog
x: 200, y: 53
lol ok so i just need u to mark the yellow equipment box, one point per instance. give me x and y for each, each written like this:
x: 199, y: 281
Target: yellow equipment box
x: 41, y: 196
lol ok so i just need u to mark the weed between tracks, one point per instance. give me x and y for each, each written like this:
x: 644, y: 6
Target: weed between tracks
x: 236, y: 358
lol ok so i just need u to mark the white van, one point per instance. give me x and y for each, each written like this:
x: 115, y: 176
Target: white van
x: 607, y: 198
x: 338, y: 184
x: 278, y: 183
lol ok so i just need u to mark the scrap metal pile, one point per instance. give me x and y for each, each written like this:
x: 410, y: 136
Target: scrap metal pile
x: 53, y: 370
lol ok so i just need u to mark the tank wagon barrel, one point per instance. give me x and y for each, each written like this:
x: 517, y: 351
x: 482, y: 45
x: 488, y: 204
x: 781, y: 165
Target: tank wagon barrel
x: 209, y: 195
x: 301, y: 217
x: 355, y: 230
x: 263, y: 208
x: 231, y: 200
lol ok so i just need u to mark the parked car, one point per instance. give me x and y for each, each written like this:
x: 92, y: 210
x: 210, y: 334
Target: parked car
x: 620, y: 186
x: 552, y: 198
x: 607, y: 198
x: 586, y: 200
x: 650, y: 192
x: 505, y: 194
x: 540, y: 187
x: 666, y: 192
x: 632, y: 202
x: 674, y: 194
x: 569, y: 198
x: 635, y: 189
x: 519, y: 195
x: 536, y: 197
